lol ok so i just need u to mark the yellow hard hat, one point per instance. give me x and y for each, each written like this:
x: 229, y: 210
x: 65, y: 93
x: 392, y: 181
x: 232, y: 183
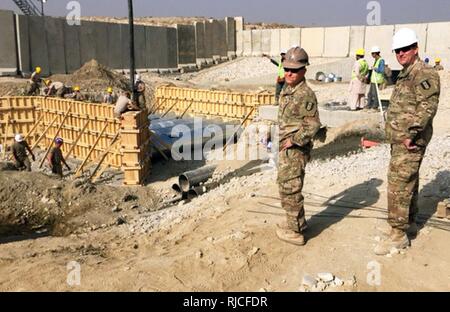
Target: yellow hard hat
x: 76, y: 88
x: 360, y: 52
x: 110, y: 90
x: 437, y: 60
x: 38, y: 70
x: 47, y: 82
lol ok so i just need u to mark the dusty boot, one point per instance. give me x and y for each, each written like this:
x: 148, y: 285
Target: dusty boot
x: 290, y: 236
x: 397, y: 239
x: 413, y: 230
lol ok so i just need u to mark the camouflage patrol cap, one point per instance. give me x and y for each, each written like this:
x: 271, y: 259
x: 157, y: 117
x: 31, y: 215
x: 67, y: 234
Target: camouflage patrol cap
x: 296, y: 58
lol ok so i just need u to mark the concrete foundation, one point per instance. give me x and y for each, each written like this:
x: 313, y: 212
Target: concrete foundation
x: 337, y: 41
x: 186, y: 44
x: 8, y: 51
x: 312, y: 40
x: 54, y: 27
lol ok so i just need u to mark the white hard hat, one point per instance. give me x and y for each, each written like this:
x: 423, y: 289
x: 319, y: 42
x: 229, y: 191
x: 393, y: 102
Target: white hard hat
x: 375, y: 49
x: 19, y: 138
x: 283, y: 51
x: 404, y: 38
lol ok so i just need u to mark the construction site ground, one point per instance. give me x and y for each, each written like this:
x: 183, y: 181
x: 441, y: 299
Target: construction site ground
x: 127, y: 239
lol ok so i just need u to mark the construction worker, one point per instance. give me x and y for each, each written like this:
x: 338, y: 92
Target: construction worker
x: 299, y: 122
x: 76, y: 94
x: 19, y: 151
x: 56, y: 88
x: 438, y: 66
x: 109, y: 98
x: 140, y: 95
x: 124, y: 104
x: 376, y: 78
x: 280, y: 77
x: 34, y: 82
x: 56, y: 159
x: 409, y: 128
x: 357, y: 84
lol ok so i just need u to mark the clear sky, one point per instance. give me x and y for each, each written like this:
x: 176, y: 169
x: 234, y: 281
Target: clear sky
x: 297, y: 12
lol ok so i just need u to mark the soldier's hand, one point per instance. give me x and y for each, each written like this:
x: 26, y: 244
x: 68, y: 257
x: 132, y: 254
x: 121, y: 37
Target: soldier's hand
x: 410, y: 145
x: 287, y: 144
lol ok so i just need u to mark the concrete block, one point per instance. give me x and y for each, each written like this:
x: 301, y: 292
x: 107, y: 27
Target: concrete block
x: 219, y: 38
x: 72, y: 47
x: 101, y: 42
x: 87, y: 41
x: 239, y: 23
x: 8, y: 51
x: 312, y: 40
x: 285, y: 41
x: 275, y: 40
x: 337, y: 42
x: 23, y: 44
x: 357, y: 34
x: 54, y: 27
x: 381, y: 36
x: 256, y: 42
x: 38, y: 44
x: 438, y: 39
x: 421, y: 31
x: 140, y: 47
x: 125, y: 45
x: 247, y: 42
x: 200, y: 40
x: 294, y: 37
x: 114, y: 47
x: 208, y: 39
x: 266, y: 35
x: 172, y: 58
x: 186, y: 44
x: 231, y: 35
x: 156, y: 46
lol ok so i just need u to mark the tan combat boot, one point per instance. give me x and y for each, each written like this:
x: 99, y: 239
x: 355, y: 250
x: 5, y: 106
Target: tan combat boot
x: 396, y: 239
x: 289, y: 236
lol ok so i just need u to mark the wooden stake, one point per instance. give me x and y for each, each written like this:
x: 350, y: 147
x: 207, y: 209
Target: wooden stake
x: 185, y: 111
x: 74, y: 143
x: 77, y: 173
x: 169, y: 110
x: 105, y: 153
x: 157, y: 108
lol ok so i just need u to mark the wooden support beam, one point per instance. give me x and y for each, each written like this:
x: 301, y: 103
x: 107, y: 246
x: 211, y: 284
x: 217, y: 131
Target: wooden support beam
x: 163, y: 115
x: 76, y: 140
x: 44, y: 133
x: 55, y: 136
x: 6, y: 137
x: 158, y: 107
x: 80, y: 169
x: 159, y: 150
x: 104, y: 154
x: 185, y: 111
x: 240, y: 126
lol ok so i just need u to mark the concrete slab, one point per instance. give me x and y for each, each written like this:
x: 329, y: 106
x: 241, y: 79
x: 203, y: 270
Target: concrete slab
x: 186, y: 44
x: 125, y: 45
x: 200, y: 40
x: 337, y: 42
x: 266, y: 36
x: 247, y: 42
x: 72, y: 47
x: 38, y: 44
x: 23, y: 44
x: 114, y: 46
x: 381, y: 36
x: 357, y: 34
x: 140, y: 47
x: 54, y: 27
x: 231, y: 35
x: 285, y: 41
x: 312, y: 40
x: 8, y: 50
x: 421, y: 31
x: 220, y: 38
x: 87, y: 41
x: 239, y: 22
x: 294, y: 37
x: 438, y: 39
x: 101, y: 42
x: 275, y: 40
x: 172, y: 58
x: 256, y: 42
x: 208, y: 39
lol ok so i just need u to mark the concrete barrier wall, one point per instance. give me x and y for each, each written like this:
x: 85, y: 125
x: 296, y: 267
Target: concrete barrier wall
x: 87, y: 41
x: 312, y: 40
x: 219, y: 38
x: 208, y: 39
x: 247, y: 42
x: 23, y: 44
x: 239, y: 23
x: 266, y: 37
x: 231, y: 35
x: 438, y: 39
x: 125, y: 45
x: 54, y: 29
x: 140, y: 47
x: 337, y: 42
x: 381, y: 36
x: 275, y: 40
x: 172, y: 48
x: 38, y: 44
x: 200, y: 40
x: 114, y: 47
x: 186, y: 44
x: 256, y: 42
x: 8, y: 52
x: 294, y: 37
x: 101, y: 42
x: 285, y: 39
x: 357, y: 34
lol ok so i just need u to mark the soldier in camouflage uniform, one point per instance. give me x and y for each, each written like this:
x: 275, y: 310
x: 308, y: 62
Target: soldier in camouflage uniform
x: 409, y: 128
x: 299, y: 122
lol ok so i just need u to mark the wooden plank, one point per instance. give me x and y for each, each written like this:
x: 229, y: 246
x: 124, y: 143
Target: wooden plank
x: 185, y: 111
x: 79, y: 170
x: 240, y: 126
x: 105, y: 153
x: 56, y: 135
x: 6, y: 136
x: 158, y: 107
x: 76, y: 140
x: 44, y: 133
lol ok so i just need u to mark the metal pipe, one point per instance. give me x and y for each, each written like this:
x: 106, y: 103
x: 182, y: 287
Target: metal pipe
x: 193, y: 178
x: 132, y: 63
x: 196, y: 191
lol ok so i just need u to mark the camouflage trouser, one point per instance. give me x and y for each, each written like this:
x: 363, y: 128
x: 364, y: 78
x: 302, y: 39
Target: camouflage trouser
x: 403, y: 185
x: 23, y: 163
x: 278, y: 88
x: 291, y: 174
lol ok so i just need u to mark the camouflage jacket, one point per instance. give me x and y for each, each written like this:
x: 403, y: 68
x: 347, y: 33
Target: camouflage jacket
x: 413, y: 105
x: 298, y: 116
